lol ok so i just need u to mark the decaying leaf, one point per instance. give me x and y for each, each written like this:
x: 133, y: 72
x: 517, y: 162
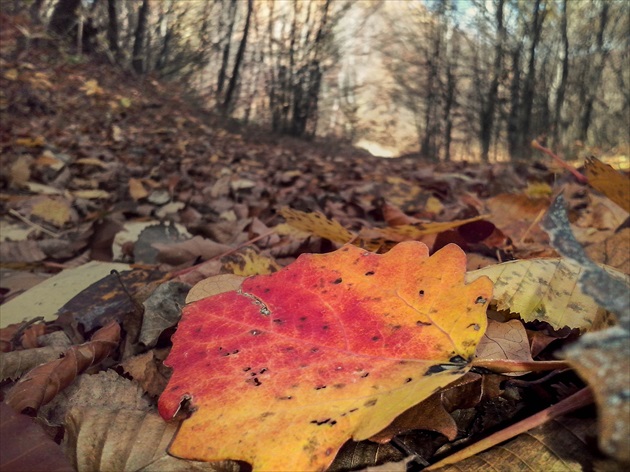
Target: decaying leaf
x: 104, y: 439
x: 282, y: 372
x: 162, y: 310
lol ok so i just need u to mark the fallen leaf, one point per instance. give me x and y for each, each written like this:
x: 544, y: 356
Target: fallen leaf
x: 137, y: 190
x: 105, y: 439
x: 545, y: 290
x: 505, y: 341
x: 25, y: 447
x: 162, y: 310
x: 213, y: 286
x: 249, y: 262
x: 316, y: 223
x: 332, y: 347
x: 609, y: 181
x: 41, y: 384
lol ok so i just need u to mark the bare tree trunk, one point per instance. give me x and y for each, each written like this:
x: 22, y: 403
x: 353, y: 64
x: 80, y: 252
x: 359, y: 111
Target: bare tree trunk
x: 35, y: 11
x: 238, y: 61
x: 594, y: 77
x: 489, y: 105
x: 529, y: 86
x: 558, y: 127
x: 112, y: 28
x: 64, y: 18
x: 513, y: 136
x: 138, y: 60
x: 226, y: 48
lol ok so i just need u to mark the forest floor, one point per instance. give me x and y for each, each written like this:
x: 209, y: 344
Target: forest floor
x: 101, y: 167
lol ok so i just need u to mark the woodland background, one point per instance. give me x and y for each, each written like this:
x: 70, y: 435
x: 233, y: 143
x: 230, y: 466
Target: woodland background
x: 451, y: 79
x: 178, y: 141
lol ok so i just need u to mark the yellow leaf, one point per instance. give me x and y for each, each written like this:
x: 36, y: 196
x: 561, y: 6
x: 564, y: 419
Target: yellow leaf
x: 53, y: 210
x: 317, y: 224
x: 545, y: 290
x: 249, y: 263
x: 136, y: 189
x: 11, y: 74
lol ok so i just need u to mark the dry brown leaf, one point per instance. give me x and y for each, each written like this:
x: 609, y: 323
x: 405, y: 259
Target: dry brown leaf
x: 102, y: 439
x: 610, y: 182
x: 162, y: 310
x: 25, y: 447
x: 137, y: 190
x: 505, y: 341
x: 144, y: 370
x: 41, y: 384
x: 189, y: 250
x: 213, y: 286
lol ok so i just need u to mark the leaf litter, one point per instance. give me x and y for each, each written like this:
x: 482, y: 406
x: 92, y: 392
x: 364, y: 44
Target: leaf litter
x: 247, y: 204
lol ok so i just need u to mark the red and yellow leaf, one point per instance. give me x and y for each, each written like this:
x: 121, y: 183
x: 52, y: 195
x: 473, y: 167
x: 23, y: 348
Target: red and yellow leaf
x: 283, y: 371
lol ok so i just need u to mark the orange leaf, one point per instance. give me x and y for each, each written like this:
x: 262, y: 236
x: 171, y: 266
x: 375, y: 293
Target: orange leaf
x: 283, y: 371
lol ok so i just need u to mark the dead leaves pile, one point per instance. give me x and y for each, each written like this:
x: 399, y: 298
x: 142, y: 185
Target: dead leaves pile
x: 107, y: 176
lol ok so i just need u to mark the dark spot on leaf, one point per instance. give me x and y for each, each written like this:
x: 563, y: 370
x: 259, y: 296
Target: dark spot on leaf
x: 288, y: 397
x: 375, y: 338
x: 423, y: 323
x: 370, y: 403
x: 320, y: 387
x: 267, y: 290
x: 303, y: 318
x: 480, y: 301
x: 246, y: 369
x: 220, y: 348
x: 314, y: 349
x: 235, y: 351
x: 319, y: 423
x: 277, y: 320
x: 371, y: 272
x: 253, y: 374
x: 255, y: 332
x: 435, y: 369
x: 255, y: 382
x: 353, y: 410
x: 337, y: 281
x: 328, y: 451
x: 267, y: 414
x: 365, y: 375
x: 421, y: 293
x: 474, y: 326
x: 339, y: 385
x: 263, y: 370
x: 457, y: 360
x: 325, y: 327
x: 197, y: 330
x: 396, y: 327
x: 408, y: 379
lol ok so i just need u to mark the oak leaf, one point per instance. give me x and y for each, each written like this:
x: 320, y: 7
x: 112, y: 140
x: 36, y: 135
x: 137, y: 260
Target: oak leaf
x: 283, y: 371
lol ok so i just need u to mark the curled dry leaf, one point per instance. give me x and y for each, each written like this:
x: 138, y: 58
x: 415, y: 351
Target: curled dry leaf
x: 41, y: 384
x: 17, y: 363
